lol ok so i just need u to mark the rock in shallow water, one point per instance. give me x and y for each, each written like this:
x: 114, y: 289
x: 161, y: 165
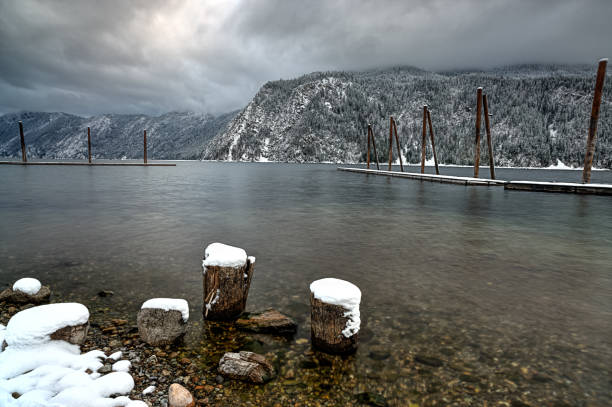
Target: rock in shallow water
x: 178, y: 396
x: 246, y: 366
x: 269, y: 321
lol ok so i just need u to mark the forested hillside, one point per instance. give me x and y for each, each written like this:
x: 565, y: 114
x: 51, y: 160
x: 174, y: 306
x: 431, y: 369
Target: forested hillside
x: 540, y: 114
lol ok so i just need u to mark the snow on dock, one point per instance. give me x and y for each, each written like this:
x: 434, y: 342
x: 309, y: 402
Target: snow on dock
x: 564, y: 187
x: 446, y: 179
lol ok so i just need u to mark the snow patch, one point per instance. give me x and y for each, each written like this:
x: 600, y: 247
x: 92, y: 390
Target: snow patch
x: 559, y: 166
x: 169, y: 304
x: 116, y: 356
x: 340, y: 292
x: 122, y: 366
x: 27, y: 285
x: 222, y: 255
x: 35, y: 325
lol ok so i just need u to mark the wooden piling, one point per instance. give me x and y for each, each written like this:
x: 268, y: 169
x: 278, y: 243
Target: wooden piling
x: 424, y: 139
x: 390, y: 141
x: 145, y: 146
x: 368, y: 157
x: 88, y: 145
x: 24, y: 157
x: 478, y: 120
x: 399, y: 151
x: 374, y: 146
x: 590, y: 146
x: 433, y: 143
x: 489, y: 141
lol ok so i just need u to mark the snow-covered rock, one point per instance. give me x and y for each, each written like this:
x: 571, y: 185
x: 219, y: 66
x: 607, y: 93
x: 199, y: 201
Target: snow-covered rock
x: 26, y: 291
x: 62, y: 321
x: 167, y: 304
x: 46, y: 372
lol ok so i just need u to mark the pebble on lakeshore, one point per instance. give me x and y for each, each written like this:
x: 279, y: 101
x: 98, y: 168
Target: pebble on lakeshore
x: 335, y: 318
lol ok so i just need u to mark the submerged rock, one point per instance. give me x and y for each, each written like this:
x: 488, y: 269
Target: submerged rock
x: 178, y: 396
x: 246, y: 366
x: 269, y: 321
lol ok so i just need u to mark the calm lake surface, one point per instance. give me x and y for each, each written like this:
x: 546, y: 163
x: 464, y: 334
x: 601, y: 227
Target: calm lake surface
x: 469, y: 293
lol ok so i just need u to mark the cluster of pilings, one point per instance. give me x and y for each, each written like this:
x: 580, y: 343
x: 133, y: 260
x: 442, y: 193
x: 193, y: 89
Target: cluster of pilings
x: 24, y: 158
x: 482, y: 104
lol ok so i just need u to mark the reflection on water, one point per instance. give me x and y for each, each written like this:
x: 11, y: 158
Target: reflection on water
x: 468, y: 293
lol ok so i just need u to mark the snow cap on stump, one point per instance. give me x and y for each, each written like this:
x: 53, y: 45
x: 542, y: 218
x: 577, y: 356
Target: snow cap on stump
x: 335, y: 317
x: 161, y: 321
x: 62, y: 321
x: 222, y: 255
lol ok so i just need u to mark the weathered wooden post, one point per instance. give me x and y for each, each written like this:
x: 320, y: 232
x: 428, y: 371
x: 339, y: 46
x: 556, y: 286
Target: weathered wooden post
x: 399, y: 150
x: 369, y: 133
x: 334, y: 315
x: 424, y: 140
x: 590, y: 147
x: 489, y: 141
x: 24, y: 158
x: 145, y: 146
x: 227, y: 278
x: 390, y: 141
x: 374, y: 145
x: 433, y: 143
x: 88, y: 145
x: 478, y: 120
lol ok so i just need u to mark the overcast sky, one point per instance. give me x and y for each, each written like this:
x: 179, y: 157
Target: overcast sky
x: 154, y: 56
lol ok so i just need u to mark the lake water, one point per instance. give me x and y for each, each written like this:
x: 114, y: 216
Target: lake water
x: 509, y: 292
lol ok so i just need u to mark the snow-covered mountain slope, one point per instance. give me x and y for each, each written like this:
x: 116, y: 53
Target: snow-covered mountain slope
x: 540, y: 115
x: 176, y: 135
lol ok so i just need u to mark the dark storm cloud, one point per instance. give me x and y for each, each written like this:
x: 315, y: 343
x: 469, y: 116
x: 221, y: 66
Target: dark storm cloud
x: 153, y: 56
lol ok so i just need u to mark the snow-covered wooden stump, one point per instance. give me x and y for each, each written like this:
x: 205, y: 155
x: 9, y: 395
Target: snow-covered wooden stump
x: 161, y: 321
x: 334, y: 315
x: 227, y: 278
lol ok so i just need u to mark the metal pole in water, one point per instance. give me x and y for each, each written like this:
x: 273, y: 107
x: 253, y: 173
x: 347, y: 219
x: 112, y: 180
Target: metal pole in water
x: 590, y: 147
x: 145, y: 146
x: 424, y: 139
x: 88, y: 145
x: 489, y: 141
x: 24, y: 158
x: 478, y: 119
x: 433, y: 143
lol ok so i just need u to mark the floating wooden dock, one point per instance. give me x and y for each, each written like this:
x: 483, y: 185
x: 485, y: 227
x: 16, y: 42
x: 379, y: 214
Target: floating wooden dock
x: 445, y: 179
x: 566, y: 187
x: 88, y: 164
